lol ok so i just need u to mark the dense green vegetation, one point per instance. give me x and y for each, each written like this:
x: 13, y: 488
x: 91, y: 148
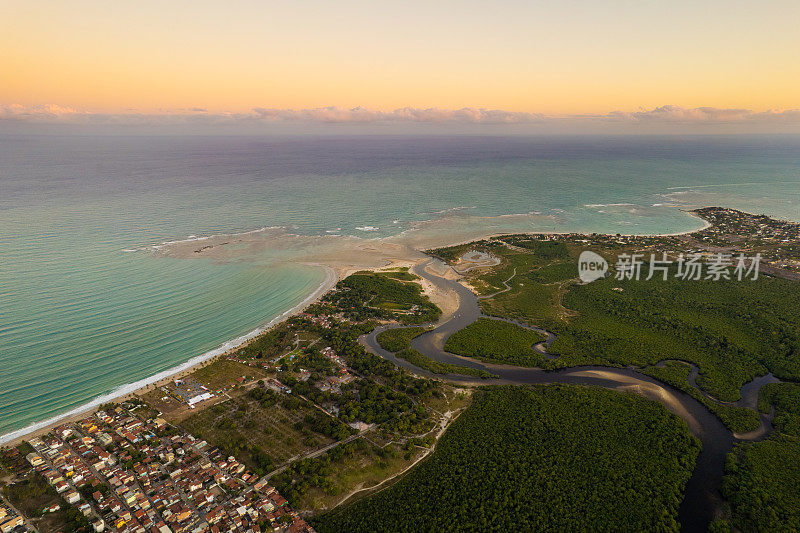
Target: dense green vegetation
x: 733, y: 331
x: 545, y: 250
x: 496, y: 341
x: 371, y: 402
x: 422, y: 361
x: 552, y: 458
x: 761, y: 486
x: 785, y: 397
x: 397, y: 339
x: 676, y: 373
x: 451, y: 253
x: 367, y: 295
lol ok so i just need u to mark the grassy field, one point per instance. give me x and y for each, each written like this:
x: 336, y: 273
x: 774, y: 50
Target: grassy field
x: 399, y: 273
x: 532, y: 303
x: 540, y: 459
x: 223, y: 373
x: 354, y: 468
x: 271, y: 343
x: 260, y: 433
x: 320, y: 484
x: 495, y: 341
x: 451, y: 253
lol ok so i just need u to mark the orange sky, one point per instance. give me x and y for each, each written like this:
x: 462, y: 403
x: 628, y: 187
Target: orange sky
x: 547, y: 57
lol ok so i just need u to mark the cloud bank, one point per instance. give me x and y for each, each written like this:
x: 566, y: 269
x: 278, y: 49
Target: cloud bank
x: 707, y: 115
x: 668, y: 116
x: 56, y: 113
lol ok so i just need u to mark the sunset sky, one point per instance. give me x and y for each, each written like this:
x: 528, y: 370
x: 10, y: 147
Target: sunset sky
x: 550, y: 58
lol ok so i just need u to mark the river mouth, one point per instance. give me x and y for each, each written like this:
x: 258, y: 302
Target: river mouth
x: 702, y: 498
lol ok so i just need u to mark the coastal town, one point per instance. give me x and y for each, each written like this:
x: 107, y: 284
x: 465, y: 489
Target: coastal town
x: 728, y: 231
x: 122, y: 469
x: 125, y: 469
x: 279, y: 431
x: 206, y: 451
x: 366, y: 267
x: 126, y: 473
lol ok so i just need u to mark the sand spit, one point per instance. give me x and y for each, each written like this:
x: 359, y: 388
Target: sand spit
x: 340, y: 255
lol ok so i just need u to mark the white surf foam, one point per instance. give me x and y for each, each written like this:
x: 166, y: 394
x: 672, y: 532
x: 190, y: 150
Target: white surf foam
x: 124, y: 390
x: 195, y: 238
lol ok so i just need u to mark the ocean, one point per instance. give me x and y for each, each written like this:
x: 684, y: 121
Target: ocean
x: 88, y: 307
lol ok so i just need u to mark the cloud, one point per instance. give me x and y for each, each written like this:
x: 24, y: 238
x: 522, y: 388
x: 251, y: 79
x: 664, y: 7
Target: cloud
x: 36, y: 112
x: 668, y: 116
x: 406, y: 114
x: 705, y: 115
x: 671, y: 113
x: 55, y: 113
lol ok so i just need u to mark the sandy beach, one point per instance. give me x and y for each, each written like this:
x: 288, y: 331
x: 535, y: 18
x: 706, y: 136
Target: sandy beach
x: 336, y: 270
x: 162, y: 378
x: 340, y: 256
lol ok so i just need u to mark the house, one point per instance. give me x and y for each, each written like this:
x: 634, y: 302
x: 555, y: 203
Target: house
x: 34, y: 459
x: 10, y: 524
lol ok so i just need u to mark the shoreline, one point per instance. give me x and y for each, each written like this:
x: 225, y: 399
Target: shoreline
x: 332, y: 276
x: 706, y: 225
x: 129, y: 390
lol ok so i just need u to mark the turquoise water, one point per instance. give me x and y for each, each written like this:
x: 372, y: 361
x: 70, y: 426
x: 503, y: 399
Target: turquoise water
x: 86, y: 307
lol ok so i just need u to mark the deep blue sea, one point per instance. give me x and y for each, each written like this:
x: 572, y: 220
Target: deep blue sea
x: 87, y: 307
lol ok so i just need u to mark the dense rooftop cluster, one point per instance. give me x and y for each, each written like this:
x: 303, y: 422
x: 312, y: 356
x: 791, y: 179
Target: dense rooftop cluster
x: 778, y: 241
x: 10, y: 520
x: 126, y: 473
x: 731, y: 224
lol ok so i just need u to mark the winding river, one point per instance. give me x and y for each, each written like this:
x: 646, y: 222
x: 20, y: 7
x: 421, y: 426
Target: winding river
x: 702, y: 497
